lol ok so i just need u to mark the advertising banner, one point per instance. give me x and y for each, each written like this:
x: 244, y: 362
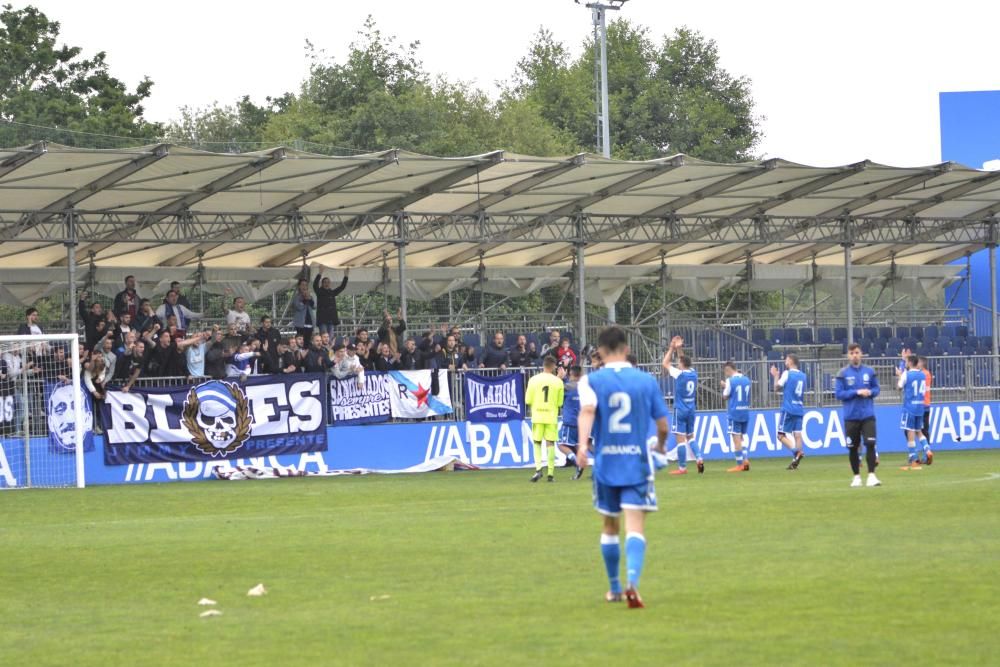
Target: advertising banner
x: 412, y: 397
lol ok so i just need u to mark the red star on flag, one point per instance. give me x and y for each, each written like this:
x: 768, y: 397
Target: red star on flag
x: 421, y: 395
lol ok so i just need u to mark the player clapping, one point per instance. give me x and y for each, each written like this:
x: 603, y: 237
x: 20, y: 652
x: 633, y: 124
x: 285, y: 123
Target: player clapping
x: 685, y: 403
x: 792, y: 384
x: 736, y: 391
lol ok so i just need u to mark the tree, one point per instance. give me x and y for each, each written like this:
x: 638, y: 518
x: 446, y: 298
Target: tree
x: 234, y: 128
x: 44, y: 83
x: 666, y: 99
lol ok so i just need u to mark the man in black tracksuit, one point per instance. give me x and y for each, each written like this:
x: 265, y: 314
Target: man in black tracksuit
x: 326, y: 302
x: 857, y: 386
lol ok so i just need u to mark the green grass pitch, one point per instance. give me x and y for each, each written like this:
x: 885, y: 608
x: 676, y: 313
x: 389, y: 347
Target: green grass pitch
x: 770, y: 567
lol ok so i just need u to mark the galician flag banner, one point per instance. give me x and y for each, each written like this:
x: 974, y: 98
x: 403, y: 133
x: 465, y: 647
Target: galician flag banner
x: 411, y: 397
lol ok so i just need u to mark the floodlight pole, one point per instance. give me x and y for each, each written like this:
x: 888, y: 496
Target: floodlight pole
x: 598, y: 12
x: 71, y: 267
x: 848, y: 296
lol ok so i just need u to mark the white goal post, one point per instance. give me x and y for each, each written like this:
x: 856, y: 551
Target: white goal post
x: 45, y: 424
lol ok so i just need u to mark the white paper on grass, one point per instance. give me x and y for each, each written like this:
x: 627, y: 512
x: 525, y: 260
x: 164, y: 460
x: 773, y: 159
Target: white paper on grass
x: 205, y: 602
x: 257, y: 591
x: 210, y: 612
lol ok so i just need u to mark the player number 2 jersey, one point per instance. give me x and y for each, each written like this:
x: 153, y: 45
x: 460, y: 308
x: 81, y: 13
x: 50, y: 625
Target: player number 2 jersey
x: 626, y: 401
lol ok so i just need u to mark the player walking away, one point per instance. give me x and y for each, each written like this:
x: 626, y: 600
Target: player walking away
x: 736, y: 388
x: 685, y: 392
x: 925, y: 434
x: 544, y: 396
x: 857, y: 386
x: 914, y: 386
x: 568, y: 440
x: 792, y: 384
x: 616, y: 404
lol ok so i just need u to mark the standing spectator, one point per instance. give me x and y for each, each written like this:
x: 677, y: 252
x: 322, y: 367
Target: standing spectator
x: 146, y: 317
x: 166, y: 358
x: 195, y: 353
x: 326, y: 301
x: 364, y: 354
x: 30, y: 326
x: 361, y: 336
x: 58, y: 367
x: 346, y: 364
x: 127, y: 301
x: 446, y: 357
x: 136, y: 364
x: 316, y: 359
x: 173, y: 306
x: 122, y: 354
x: 469, y: 359
x: 523, y: 356
x: 286, y: 361
x: 233, y: 339
x: 304, y: 308
x: 92, y: 318
x: 181, y: 298
x: 238, y: 362
x: 95, y: 376
x: 271, y: 336
x: 553, y: 344
x: 354, y: 357
x: 411, y: 358
x: 107, y: 352
x: 239, y: 316
x: 496, y: 355
x: 123, y: 329
x: 215, y: 356
x: 387, y: 333
x: 565, y: 354
x: 386, y: 360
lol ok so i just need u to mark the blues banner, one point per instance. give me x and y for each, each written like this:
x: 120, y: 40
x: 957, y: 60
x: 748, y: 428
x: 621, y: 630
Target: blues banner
x: 366, y: 402
x: 8, y: 407
x: 216, y: 420
x: 60, y: 415
x: 494, y: 399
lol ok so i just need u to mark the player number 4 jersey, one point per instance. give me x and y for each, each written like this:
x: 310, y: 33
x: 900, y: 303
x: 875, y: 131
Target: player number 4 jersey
x: 626, y: 402
x: 793, y: 388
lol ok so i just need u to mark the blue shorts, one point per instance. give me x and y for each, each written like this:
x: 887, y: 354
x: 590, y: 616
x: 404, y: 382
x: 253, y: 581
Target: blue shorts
x: 790, y: 424
x: 910, y: 422
x: 737, y: 427
x: 611, y: 500
x: 568, y: 435
x: 684, y: 423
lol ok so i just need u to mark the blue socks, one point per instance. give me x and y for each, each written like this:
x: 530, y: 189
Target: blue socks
x: 739, y: 456
x: 682, y: 456
x: 697, y: 448
x: 635, y: 554
x: 611, y: 551
x: 913, y: 453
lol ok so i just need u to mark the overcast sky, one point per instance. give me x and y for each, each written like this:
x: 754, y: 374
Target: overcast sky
x: 854, y: 80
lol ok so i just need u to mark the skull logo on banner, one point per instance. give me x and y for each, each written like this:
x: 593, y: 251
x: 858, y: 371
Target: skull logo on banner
x: 218, y: 417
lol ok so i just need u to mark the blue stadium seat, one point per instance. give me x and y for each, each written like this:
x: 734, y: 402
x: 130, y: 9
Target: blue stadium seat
x: 839, y: 334
x: 790, y: 336
x: 910, y: 343
x: 917, y: 332
x: 758, y: 336
x: 962, y: 331
x: 866, y: 345
x: 805, y: 336
x: 825, y: 335
x: 948, y: 331
x: 944, y: 342
x: 886, y: 333
x: 774, y: 355
x: 869, y: 332
x: 472, y: 340
x: 533, y: 338
x: 893, y: 347
x: 902, y: 332
x: 931, y: 333
x: 510, y: 340
x: 858, y: 333
x: 775, y: 335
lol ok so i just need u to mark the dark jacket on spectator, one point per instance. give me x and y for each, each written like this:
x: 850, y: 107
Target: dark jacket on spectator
x: 326, y: 301
x: 316, y: 361
x: 25, y: 330
x: 90, y: 321
x: 383, y: 364
x: 215, y: 361
x: 523, y: 358
x: 494, y: 357
x: 383, y: 334
x: 122, y: 304
x: 411, y: 361
x: 166, y: 361
x: 286, y: 360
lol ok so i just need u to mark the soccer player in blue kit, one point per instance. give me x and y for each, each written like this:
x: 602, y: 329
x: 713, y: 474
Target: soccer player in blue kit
x: 913, y: 382
x: 792, y: 384
x: 617, y: 403
x: 685, y: 404
x: 568, y: 440
x: 736, y: 391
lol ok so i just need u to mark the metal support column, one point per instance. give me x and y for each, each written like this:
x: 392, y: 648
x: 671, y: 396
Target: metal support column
x: 613, y: 313
x: 849, y: 297
x: 401, y: 261
x: 71, y: 267
x: 993, y: 302
x: 968, y: 293
x: 581, y: 303
x: 815, y: 322
x: 749, y: 277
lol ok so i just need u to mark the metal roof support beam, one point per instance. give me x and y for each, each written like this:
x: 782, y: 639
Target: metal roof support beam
x: 531, y: 181
x: 948, y: 195
x: 761, y: 208
x: 22, y: 158
x: 295, y: 203
x: 400, y: 203
x: 180, y: 206
x: 668, y: 209
x: 574, y: 207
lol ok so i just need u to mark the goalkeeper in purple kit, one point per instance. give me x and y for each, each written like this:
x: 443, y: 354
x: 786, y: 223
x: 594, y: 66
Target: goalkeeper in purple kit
x: 617, y: 404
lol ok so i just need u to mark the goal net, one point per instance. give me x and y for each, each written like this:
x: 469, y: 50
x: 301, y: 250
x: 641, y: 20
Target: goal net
x: 46, y: 413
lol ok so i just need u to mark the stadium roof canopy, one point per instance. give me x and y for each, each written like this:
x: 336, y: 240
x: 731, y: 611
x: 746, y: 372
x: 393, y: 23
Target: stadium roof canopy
x: 167, y: 206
